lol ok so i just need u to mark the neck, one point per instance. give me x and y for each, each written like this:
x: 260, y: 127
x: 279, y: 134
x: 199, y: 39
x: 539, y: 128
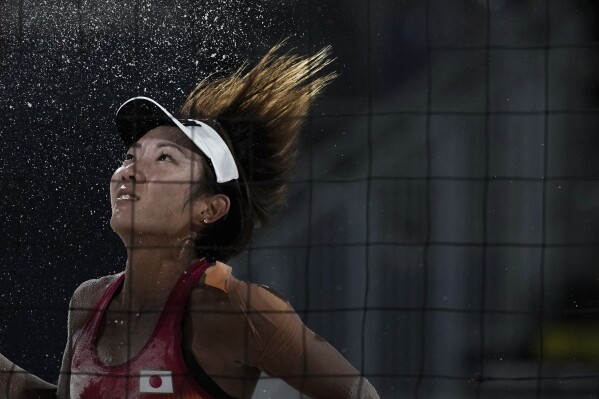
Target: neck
x: 150, y: 275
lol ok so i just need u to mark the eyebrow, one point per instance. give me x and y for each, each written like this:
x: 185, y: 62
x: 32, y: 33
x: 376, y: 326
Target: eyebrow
x: 168, y: 144
x: 162, y: 145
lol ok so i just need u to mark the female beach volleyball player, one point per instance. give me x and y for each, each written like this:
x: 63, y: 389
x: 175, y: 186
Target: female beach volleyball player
x: 177, y: 323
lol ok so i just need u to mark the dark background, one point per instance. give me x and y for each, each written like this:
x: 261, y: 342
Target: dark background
x: 442, y: 227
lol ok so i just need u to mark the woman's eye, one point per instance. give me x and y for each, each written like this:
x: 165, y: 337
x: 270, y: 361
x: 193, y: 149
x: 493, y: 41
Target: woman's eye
x: 165, y: 157
x: 128, y: 157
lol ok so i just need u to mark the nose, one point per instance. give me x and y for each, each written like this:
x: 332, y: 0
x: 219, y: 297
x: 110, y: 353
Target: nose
x: 133, y: 173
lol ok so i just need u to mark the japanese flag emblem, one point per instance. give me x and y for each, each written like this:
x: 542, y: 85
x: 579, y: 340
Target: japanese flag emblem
x: 155, y: 381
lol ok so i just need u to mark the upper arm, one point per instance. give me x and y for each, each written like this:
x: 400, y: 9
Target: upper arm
x: 308, y: 362
x: 256, y: 327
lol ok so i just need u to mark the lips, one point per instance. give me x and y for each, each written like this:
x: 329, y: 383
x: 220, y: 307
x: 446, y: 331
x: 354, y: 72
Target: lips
x: 127, y: 197
x: 125, y: 193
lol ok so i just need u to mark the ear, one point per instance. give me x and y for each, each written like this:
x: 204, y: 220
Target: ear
x: 211, y: 208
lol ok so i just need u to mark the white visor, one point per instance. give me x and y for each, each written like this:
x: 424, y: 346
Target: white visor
x: 139, y: 115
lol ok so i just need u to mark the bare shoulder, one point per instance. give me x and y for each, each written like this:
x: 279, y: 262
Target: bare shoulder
x: 85, y: 298
x: 90, y: 291
x: 220, y: 286
x: 260, y: 297
x: 237, y: 317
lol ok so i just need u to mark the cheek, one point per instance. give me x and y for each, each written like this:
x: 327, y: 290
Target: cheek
x: 171, y: 197
x: 113, y: 185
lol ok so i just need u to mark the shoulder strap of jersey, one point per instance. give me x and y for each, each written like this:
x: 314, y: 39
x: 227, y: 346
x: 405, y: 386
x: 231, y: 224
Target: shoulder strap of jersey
x: 175, y: 305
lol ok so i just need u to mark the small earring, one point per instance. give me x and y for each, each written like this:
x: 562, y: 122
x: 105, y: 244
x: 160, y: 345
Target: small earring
x: 204, y: 221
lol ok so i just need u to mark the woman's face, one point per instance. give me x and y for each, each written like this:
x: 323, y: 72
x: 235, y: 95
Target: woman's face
x: 149, y: 192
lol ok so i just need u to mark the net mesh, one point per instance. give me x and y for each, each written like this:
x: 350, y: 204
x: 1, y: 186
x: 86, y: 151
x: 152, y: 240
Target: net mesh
x: 441, y: 228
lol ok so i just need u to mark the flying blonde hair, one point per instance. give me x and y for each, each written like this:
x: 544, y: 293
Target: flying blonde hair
x: 259, y: 113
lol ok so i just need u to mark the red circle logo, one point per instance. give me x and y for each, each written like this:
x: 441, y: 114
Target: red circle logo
x: 155, y: 381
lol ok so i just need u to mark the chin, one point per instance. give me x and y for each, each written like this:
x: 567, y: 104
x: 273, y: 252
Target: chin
x: 138, y: 231
x: 124, y: 226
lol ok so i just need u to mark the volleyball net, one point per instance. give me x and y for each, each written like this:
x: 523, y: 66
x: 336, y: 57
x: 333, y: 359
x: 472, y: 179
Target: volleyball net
x: 441, y: 230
